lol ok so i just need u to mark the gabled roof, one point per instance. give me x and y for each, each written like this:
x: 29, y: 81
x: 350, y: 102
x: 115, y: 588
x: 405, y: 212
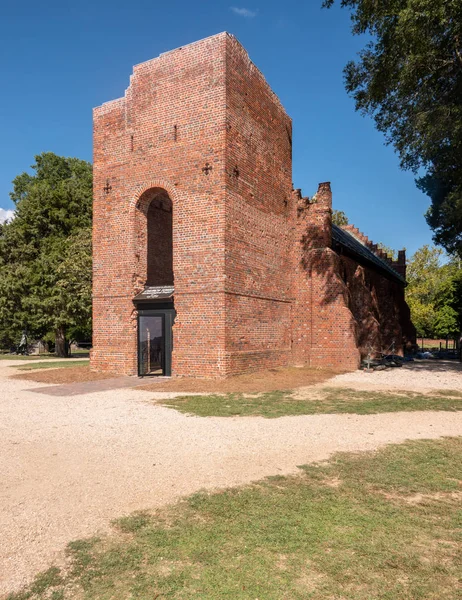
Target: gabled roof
x: 362, y: 252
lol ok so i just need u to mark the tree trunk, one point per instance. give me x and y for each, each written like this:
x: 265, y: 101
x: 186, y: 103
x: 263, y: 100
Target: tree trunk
x: 61, y: 344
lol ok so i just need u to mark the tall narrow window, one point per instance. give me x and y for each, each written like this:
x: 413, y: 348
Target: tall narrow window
x: 160, y: 242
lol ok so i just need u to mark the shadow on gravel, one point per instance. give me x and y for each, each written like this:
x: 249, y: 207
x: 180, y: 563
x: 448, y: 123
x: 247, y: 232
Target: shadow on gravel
x: 435, y: 366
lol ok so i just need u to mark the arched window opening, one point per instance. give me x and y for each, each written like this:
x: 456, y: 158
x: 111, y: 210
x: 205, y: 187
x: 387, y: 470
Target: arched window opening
x: 160, y: 241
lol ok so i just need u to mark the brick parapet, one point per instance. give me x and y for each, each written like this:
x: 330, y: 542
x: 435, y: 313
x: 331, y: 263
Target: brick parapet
x: 399, y: 265
x: 323, y: 329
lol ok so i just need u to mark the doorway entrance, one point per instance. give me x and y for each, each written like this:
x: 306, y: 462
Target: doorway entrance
x: 155, y: 342
x: 155, y: 306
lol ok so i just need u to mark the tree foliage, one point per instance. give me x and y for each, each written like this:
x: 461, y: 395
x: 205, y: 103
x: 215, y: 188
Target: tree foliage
x: 434, y: 293
x: 45, y: 251
x: 389, y: 251
x: 409, y: 79
x: 339, y: 218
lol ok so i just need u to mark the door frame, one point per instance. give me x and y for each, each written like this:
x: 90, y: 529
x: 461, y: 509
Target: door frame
x: 168, y: 315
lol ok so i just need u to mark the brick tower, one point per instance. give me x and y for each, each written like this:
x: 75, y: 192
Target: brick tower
x: 192, y: 218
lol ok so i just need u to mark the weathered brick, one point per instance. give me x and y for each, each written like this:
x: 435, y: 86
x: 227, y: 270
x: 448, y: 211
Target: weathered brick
x: 198, y: 158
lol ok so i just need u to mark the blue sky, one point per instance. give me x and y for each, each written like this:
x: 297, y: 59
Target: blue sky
x: 60, y: 59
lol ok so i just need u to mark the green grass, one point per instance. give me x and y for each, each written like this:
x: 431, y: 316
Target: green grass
x: 76, y: 354
x: 53, y: 365
x: 455, y: 393
x: 372, y: 526
x: 328, y: 400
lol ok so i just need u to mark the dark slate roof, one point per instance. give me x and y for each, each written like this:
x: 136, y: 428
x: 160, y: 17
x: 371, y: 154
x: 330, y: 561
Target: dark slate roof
x: 357, y: 248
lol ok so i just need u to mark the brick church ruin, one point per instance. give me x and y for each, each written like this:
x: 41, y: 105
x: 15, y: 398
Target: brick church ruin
x: 206, y: 262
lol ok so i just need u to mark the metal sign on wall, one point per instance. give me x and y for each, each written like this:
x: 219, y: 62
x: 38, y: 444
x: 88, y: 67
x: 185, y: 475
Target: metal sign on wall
x: 155, y: 292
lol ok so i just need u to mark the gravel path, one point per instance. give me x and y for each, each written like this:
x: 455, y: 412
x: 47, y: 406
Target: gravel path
x: 70, y: 465
x: 421, y: 376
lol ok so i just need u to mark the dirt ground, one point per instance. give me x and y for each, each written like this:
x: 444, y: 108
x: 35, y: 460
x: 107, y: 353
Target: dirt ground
x: 59, y: 376
x: 265, y: 381
x: 424, y: 376
x: 69, y: 465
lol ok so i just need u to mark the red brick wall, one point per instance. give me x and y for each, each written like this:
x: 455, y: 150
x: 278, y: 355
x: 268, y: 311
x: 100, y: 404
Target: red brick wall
x: 324, y: 329
x: 378, y: 302
x: 258, y: 218
x: 342, y: 309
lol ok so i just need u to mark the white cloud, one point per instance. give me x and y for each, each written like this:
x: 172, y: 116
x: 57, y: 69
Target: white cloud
x: 6, y: 215
x: 244, y: 12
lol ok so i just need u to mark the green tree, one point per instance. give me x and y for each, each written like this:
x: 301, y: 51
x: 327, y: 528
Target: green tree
x: 339, y: 218
x: 423, y: 317
x: 388, y: 250
x: 446, y: 322
x: 448, y: 300
x: 423, y: 276
x: 434, y: 293
x: 45, y: 251
x: 409, y: 79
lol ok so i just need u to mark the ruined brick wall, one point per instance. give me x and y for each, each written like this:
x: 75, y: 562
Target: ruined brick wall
x: 258, y: 218
x: 378, y: 306
x: 362, y: 298
x: 323, y: 327
x: 378, y: 302
x: 343, y: 309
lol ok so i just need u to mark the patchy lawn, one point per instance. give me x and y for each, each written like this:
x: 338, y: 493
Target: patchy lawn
x: 321, y: 400
x: 382, y: 525
x: 53, y: 365
x: 72, y: 373
x: 75, y: 354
